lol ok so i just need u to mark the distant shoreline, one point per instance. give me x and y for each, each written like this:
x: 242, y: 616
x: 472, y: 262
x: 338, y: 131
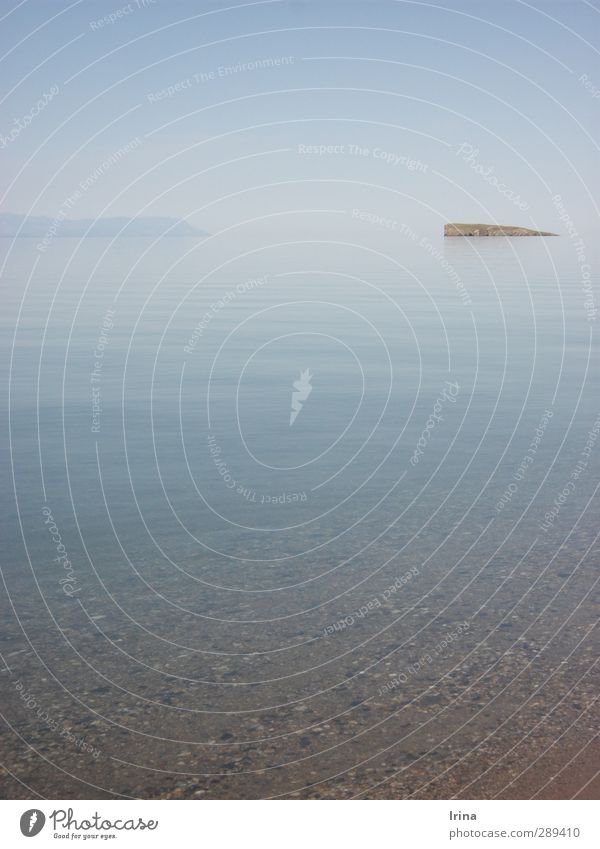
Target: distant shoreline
x: 16, y: 226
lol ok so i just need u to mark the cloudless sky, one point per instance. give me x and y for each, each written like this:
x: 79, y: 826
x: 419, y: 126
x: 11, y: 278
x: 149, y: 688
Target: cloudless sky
x: 514, y: 81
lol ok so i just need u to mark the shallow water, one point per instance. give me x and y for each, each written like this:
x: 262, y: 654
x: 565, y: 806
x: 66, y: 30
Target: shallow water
x: 385, y: 597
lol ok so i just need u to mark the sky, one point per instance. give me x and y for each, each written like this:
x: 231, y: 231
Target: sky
x: 223, y: 112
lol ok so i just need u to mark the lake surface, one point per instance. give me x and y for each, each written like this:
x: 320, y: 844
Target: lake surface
x: 394, y: 595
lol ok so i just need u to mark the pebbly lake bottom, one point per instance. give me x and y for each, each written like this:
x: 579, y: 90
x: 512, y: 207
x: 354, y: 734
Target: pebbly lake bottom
x: 421, y: 688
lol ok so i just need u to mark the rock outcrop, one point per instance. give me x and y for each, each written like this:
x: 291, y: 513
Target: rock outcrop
x: 491, y: 230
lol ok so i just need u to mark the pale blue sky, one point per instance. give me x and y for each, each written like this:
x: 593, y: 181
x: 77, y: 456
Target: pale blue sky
x: 403, y: 79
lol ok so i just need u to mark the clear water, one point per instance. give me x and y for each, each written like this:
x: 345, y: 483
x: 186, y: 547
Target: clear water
x: 213, y: 638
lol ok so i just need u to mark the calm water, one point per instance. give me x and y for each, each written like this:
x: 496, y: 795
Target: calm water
x: 253, y: 608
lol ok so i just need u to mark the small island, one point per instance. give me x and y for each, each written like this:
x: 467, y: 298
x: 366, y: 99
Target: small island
x: 491, y: 230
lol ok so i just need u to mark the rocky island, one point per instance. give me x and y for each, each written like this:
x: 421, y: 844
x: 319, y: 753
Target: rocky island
x: 491, y: 230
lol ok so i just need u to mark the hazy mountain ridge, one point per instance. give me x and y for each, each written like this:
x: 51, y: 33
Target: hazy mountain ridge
x: 13, y: 225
